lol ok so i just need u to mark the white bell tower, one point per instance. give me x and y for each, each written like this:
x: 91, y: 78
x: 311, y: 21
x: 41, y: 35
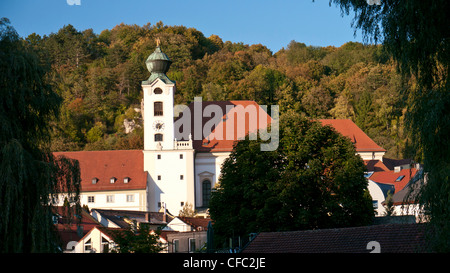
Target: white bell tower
x: 168, y: 163
x: 159, y: 93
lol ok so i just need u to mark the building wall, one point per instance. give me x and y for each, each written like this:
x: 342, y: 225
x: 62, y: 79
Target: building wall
x: 377, y: 196
x: 167, y: 118
x: 207, y: 166
x: 171, y: 178
x: 185, y: 239
x: 371, y: 155
x: 117, y: 200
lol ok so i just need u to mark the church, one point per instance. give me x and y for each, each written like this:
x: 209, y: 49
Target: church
x: 184, y: 148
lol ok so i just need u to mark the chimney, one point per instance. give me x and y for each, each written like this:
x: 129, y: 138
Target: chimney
x: 397, y: 169
x: 147, y: 216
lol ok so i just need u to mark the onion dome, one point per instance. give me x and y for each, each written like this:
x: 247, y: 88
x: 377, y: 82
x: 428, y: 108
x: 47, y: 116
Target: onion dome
x: 158, y: 64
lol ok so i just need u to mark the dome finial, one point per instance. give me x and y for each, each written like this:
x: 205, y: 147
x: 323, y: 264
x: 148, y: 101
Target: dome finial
x: 158, y: 42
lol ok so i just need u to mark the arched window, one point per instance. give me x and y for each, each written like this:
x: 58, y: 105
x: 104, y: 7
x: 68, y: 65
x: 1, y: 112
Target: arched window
x: 206, y: 192
x: 158, y: 137
x: 158, y: 108
x: 157, y: 91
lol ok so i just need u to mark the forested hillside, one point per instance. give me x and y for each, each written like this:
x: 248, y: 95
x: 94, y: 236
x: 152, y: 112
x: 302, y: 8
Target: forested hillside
x: 99, y: 78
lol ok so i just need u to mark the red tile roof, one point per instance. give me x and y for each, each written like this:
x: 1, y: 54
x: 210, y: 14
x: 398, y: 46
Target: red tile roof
x: 393, y: 238
x: 209, y: 143
x: 375, y: 166
x: 77, y: 228
x: 390, y: 177
x: 104, y: 165
x: 348, y: 128
x: 198, y: 223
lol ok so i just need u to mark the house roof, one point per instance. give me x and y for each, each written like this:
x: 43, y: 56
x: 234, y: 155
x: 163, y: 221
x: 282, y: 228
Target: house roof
x: 118, y: 217
x: 392, y: 238
x: 78, y: 226
x: 104, y: 165
x: 348, y: 128
x: 375, y: 165
x: 198, y: 223
x: 231, y: 111
x: 398, y: 179
x: 392, y: 163
x: 409, y: 194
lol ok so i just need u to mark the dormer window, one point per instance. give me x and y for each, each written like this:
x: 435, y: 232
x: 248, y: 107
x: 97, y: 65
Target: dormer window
x: 126, y: 180
x: 112, y: 180
x: 399, y: 178
x: 94, y: 180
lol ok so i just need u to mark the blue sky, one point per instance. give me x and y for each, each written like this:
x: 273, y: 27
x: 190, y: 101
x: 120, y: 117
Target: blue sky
x: 268, y: 22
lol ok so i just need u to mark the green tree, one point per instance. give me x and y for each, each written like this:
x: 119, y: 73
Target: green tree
x: 136, y: 238
x: 313, y: 180
x: 416, y: 34
x: 30, y: 176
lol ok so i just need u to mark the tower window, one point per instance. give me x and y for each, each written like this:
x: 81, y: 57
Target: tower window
x: 158, y: 137
x: 181, y: 177
x: 158, y: 107
x: 181, y: 156
x: 157, y: 91
x: 159, y: 177
x: 159, y: 156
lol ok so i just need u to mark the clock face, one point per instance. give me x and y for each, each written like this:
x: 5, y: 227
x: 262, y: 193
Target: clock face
x: 158, y: 126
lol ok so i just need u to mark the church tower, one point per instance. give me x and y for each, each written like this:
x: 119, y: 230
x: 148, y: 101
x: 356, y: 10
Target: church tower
x: 169, y: 163
x: 159, y: 93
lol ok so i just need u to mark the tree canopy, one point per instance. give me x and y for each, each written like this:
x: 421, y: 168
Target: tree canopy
x: 416, y: 34
x: 313, y: 180
x: 98, y: 77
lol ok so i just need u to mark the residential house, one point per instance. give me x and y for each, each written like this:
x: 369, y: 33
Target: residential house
x: 187, y: 234
x: 71, y: 227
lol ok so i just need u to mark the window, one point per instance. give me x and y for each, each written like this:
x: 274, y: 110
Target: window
x: 112, y: 180
x: 110, y: 199
x: 191, y: 245
x: 91, y: 199
x: 126, y: 180
x: 130, y: 197
x: 158, y: 137
x: 158, y: 156
x: 158, y: 108
x: 88, y: 245
x: 206, y: 192
x: 181, y: 177
x: 176, y: 246
x: 105, y: 245
x: 181, y: 156
x: 159, y: 177
x: 157, y: 91
x: 182, y: 204
x: 375, y: 204
x: 94, y: 180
